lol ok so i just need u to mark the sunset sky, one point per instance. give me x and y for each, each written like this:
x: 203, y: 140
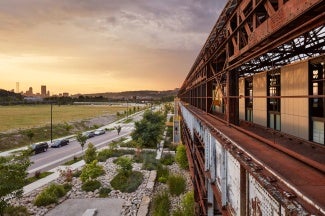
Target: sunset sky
x: 89, y: 46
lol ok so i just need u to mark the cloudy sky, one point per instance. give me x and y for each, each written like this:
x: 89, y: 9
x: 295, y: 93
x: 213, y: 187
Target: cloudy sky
x: 88, y: 46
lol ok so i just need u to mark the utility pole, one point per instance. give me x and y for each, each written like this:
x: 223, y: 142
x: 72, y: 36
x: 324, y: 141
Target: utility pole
x: 127, y: 109
x: 51, y: 120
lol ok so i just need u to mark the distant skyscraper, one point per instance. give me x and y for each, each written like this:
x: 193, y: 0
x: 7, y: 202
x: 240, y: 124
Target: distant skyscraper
x: 29, y: 92
x: 17, y: 87
x: 43, y: 90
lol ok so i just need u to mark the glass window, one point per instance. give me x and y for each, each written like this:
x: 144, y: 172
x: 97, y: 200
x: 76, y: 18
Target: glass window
x: 318, y: 132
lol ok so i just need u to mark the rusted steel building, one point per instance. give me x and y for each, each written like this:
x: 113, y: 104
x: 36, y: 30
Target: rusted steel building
x: 252, y: 111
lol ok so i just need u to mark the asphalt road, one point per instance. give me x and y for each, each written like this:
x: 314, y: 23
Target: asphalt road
x: 56, y: 156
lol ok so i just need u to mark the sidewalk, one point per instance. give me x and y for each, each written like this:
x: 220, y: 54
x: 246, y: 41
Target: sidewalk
x: 56, y: 174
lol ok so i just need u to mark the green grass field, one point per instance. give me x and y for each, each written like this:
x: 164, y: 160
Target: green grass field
x: 30, y: 116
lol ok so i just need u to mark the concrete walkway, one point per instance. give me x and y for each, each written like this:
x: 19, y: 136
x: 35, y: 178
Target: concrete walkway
x: 76, y: 207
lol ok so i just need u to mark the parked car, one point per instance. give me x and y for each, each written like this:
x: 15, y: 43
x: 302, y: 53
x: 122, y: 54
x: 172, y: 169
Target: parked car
x: 59, y: 143
x: 88, y: 134
x: 40, y: 147
x: 99, y: 132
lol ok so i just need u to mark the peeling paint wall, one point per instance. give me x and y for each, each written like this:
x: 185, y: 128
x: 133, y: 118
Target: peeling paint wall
x: 225, y: 172
x: 260, y: 201
x: 233, y: 184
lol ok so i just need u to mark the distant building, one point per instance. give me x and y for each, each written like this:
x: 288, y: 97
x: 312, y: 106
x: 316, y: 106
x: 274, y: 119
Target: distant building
x: 17, y: 87
x: 65, y: 94
x: 29, y: 92
x: 43, y: 90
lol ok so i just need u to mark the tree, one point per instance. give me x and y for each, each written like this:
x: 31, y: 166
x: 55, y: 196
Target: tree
x: 90, y: 153
x: 125, y: 164
x: 139, y: 146
x: 149, y: 129
x: 118, y: 128
x: 82, y: 140
x: 30, y: 134
x: 13, y: 171
x: 91, y: 171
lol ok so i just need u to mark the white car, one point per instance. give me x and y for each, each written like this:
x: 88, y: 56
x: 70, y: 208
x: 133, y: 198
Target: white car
x: 99, y: 132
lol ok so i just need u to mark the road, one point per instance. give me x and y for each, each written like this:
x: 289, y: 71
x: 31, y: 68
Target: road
x: 56, y: 156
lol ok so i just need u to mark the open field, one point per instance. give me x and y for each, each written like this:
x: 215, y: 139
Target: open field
x: 30, y: 116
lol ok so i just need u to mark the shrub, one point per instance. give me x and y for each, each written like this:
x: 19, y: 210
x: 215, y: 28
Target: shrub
x: 161, y: 204
x: 57, y: 190
x: 129, y: 183
x: 170, y: 131
x: 162, y: 174
x: 91, y: 171
x: 67, y: 175
x: 44, y: 199
x: 167, y: 159
x: 162, y: 179
x: 176, y: 184
x: 16, y: 210
x: 181, y: 157
x: 187, y: 206
x: 103, y: 155
x: 50, y: 195
x: 104, y: 191
x: 67, y: 187
x: 130, y: 144
x: 37, y: 174
x: 148, y: 159
x: 91, y: 185
x: 76, y: 173
x: 125, y: 165
x: 90, y: 153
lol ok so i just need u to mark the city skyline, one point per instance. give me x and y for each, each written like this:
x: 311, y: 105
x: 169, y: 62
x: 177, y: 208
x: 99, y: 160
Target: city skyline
x: 102, y: 46
x: 31, y: 92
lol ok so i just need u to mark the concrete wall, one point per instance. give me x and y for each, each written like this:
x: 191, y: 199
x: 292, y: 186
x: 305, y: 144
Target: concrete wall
x: 242, y: 100
x: 294, y: 111
x: 259, y: 104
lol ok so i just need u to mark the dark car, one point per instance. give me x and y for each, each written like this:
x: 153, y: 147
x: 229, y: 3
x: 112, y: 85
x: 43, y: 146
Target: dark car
x: 40, y: 147
x: 59, y: 143
x: 89, y: 134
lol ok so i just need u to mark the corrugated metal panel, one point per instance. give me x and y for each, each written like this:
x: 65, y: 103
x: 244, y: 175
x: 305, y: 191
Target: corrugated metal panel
x: 219, y: 160
x: 189, y: 120
x: 207, y: 143
x: 213, y: 160
x: 223, y: 176
x: 233, y: 184
x: 260, y: 201
x: 210, y: 199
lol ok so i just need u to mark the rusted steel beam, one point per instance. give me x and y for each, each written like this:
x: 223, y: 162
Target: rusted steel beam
x: 261, y: 172
x: 287, y: 22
